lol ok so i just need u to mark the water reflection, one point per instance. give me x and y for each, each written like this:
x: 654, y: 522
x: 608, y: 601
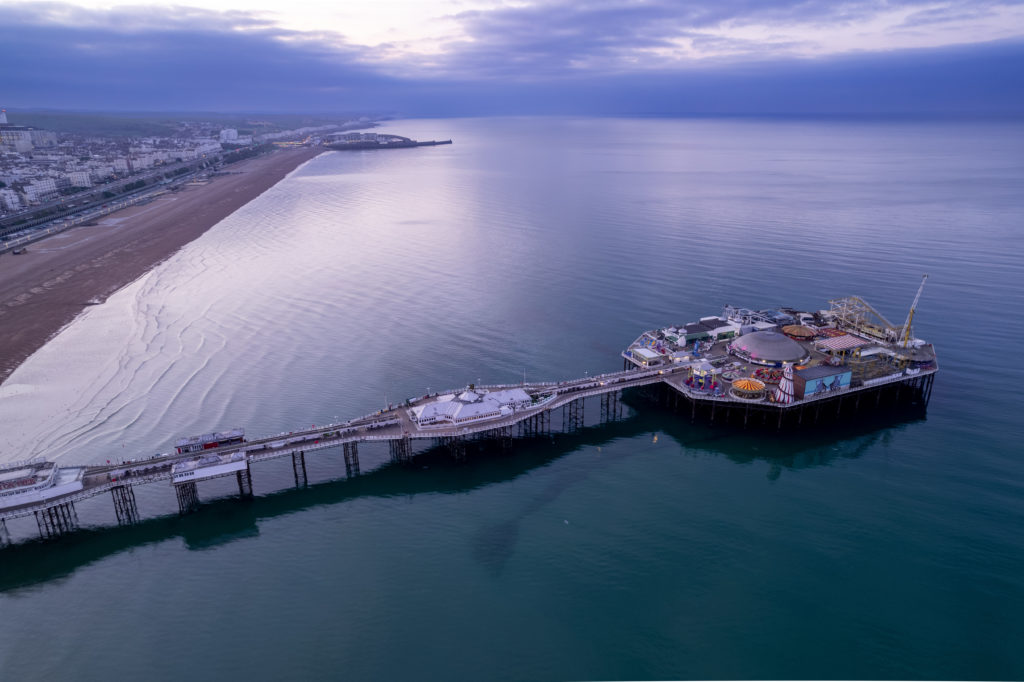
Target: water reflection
x: 812, y: 445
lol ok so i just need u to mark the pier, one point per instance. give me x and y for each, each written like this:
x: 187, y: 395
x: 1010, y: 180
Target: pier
x: 360, y: 141
x: 547, y: 407
x: 775, y: 368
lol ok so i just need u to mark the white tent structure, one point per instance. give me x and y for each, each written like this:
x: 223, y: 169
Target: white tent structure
x: 470, y: 406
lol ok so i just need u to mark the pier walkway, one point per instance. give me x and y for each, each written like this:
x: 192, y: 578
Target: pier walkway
x: 54, y: 509
x: 393, y: 425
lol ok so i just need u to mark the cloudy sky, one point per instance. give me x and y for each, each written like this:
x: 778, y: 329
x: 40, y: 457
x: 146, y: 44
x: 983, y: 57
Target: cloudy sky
x: 451, y: 57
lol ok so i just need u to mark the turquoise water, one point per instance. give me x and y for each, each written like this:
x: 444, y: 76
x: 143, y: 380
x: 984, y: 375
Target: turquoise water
x: 650, y: 548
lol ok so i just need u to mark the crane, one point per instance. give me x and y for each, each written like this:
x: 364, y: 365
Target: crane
x: 910, y: 315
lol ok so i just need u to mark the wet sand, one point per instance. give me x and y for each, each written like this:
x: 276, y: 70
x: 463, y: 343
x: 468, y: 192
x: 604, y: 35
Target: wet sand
x: 44, y: 289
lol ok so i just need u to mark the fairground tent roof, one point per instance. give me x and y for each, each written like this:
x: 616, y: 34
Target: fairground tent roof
x: 798, y: 331
x: 750, y: 385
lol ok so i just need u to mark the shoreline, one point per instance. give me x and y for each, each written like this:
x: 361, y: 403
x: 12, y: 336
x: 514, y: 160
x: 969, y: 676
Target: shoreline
x: 44, y: 290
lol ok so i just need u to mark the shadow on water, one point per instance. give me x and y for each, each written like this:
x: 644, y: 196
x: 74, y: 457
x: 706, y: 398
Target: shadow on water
x: 792, y: 448
x: 225, y: 520
x: 814, y: 445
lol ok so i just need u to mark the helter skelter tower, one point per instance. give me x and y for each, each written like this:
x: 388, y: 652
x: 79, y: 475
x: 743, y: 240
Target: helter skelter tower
x: 784, y: 393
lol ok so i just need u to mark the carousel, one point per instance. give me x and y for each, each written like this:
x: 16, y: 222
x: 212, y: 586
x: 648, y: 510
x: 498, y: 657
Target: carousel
x: 799, y: 332
x: 747, y: 389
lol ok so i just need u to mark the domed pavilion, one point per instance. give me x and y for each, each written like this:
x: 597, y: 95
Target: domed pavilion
x: 768, y: 348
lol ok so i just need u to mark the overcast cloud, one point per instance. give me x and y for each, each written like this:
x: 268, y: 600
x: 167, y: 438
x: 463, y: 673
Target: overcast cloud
x: 613, y: 57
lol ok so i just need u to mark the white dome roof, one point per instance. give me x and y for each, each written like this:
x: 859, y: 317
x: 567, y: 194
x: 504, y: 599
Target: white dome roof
x: 769, y: 346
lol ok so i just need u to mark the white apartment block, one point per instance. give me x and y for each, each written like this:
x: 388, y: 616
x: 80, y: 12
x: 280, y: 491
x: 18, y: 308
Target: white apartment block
x: 80, y: 179
x: 43, y: 138
x: 207, y: 146
x: 41, y: 190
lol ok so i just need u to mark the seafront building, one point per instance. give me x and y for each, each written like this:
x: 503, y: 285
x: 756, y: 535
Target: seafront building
x: 38, y: 166
x: 41, y: 166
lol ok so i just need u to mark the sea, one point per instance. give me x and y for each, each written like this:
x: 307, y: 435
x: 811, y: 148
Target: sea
x: 886, y: 547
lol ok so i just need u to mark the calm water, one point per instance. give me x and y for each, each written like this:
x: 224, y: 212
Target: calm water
x: 649, y: 548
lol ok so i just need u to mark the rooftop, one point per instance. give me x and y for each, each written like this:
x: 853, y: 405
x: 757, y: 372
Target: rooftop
x: 768, y: 347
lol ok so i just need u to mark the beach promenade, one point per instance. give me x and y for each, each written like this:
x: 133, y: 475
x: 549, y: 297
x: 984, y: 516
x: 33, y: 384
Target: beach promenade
x: 43, y: 290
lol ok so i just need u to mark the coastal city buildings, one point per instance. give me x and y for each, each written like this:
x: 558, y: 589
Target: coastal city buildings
x: 40, y: 166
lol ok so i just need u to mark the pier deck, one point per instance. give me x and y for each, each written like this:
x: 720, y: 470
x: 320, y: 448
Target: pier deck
x: 393, y: 424
x: 396, y: 426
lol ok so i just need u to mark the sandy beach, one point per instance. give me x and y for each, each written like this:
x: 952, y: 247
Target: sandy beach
x: 43, y: 290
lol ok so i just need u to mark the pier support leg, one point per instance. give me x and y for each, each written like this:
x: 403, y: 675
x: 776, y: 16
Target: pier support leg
x: 535, y: 426
x: 504, y: 437
x: 124, y: 505
x: 401, y: 449
x: 245, y: 480
x: 456, y: 447
x: 5, y: 536
x: 572, y: 416
x: 57, y: 520
x: 351, y: 451
x: 526, y: 427
x: 299, y: 469
x: 611, y: 407
x: 188, y: 497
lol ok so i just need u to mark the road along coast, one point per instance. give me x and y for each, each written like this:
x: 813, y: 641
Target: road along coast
x: 43, y: 290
